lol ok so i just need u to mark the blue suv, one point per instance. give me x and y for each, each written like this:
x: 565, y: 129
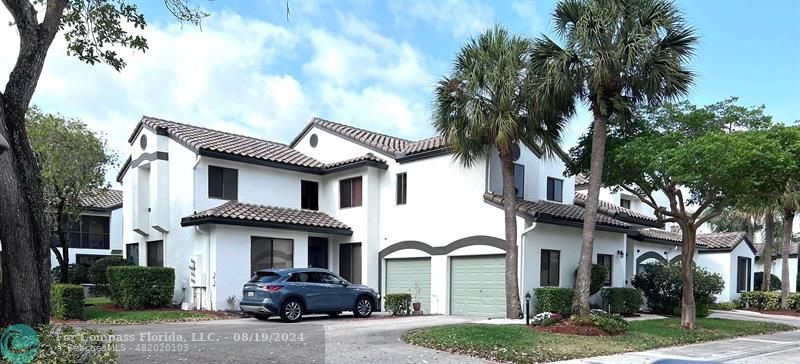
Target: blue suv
x: 291, y: 293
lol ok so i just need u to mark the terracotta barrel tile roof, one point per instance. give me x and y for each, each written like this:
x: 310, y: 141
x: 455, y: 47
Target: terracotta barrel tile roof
x: 383, y: 142
x: 106, y: 199
x: 705, y: 242
x: 238, y: 213
x: 794, y: 249
x: 558, y: 211
x: 369, y: 157
x: 619, y: 212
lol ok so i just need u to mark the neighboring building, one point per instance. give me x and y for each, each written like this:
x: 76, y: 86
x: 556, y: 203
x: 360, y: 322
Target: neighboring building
x: 98, y: 232
x: 777, y: 263
x: 731, y: 255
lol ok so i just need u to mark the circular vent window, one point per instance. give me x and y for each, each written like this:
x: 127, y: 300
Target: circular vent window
x: 515, y: 152
x: 143, y: 142
x: 313, y: 140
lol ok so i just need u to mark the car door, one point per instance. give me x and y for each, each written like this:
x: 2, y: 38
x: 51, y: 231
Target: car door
x: 307, y: 285
x: 341, y: 297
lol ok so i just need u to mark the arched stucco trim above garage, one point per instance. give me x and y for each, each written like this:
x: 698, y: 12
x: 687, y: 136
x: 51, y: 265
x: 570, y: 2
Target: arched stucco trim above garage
x: 649, y: 255
x: 444, y: 250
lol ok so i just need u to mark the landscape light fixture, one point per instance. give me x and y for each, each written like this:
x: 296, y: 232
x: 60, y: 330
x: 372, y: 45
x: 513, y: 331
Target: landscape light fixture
x: 3, y: 145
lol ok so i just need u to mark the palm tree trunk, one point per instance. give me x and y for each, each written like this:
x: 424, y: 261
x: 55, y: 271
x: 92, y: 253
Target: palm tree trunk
x: 513, y: 305
x: 580, y: 303
x: 788, y: 221
x: 687, y: 273
x: 766, y: 255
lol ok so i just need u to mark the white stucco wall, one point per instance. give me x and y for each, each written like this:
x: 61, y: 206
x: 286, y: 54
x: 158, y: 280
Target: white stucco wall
x: 777, y: 266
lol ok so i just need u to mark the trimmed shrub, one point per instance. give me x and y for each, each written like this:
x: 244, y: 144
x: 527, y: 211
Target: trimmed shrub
x: 399, y: 304
x: 794, y: 301
x: 134, y: 287
x: 97, y: 272
x: 598, y: 277
x: 67, y: 301
x: 624, y: 301
x: 554, y: 299
x: 66, y: 344
x: 725, y: 306
x: 77, y: 274
x: 662, y: 285
x: 769, y: 300
x: 610, y: 323
x: 758, y: 279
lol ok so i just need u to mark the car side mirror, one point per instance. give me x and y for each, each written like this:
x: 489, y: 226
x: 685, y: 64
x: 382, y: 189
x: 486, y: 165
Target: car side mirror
x: 344, y: 284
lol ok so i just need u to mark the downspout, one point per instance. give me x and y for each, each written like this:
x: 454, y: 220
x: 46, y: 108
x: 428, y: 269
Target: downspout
x: 523, y: 269
x: 201, y: 232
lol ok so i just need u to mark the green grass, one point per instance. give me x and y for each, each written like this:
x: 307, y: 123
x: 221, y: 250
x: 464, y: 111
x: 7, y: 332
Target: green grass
x: 520, y: 344
x: 98, y: 315
x: 93, y: 301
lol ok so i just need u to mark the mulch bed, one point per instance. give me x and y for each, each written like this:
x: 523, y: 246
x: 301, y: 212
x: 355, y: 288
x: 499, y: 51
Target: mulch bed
x: 775, y: 312
x: 565, y: 327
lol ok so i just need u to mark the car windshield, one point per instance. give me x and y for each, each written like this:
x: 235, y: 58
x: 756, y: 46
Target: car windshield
x: 264, y: 277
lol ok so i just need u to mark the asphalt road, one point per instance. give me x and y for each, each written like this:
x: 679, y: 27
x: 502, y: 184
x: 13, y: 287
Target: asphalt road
x: 314, y: 340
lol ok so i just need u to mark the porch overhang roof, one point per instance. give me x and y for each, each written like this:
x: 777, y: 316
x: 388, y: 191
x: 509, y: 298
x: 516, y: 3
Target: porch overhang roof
x: 252, y: 215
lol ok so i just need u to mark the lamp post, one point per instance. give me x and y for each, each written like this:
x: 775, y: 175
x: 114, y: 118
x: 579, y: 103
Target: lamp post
x: 527, y: 309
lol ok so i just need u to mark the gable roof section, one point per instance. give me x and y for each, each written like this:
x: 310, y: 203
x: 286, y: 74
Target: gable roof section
x: 103, y: 200
x: 244, y: 214
x: 240, y: 148
x: 706, y: 243
x: 557, y: 213
x: 619, y: 212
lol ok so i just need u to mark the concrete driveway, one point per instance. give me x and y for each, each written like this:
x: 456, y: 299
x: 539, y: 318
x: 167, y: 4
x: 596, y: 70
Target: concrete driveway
x: 317, y: 339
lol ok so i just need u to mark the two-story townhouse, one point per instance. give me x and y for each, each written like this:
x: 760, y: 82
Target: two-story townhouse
x: 394, y: 214
x: 98, y: 231
x: 731, y: 255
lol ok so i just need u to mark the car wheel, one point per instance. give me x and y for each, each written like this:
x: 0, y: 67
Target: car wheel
x: 261, y: 317
x: 291, y: 310
x: 334, y: 314
x: 363, y: 307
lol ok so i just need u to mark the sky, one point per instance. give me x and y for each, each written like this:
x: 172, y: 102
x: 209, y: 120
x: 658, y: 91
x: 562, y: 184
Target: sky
x: 373, y: 64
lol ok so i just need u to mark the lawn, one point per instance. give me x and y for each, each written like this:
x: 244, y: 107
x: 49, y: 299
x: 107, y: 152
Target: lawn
x: 99, y: 310
x: 520, y: 344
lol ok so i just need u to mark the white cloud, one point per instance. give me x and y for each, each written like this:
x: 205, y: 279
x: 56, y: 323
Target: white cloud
x: 459, y: 18
x: 530, y: 14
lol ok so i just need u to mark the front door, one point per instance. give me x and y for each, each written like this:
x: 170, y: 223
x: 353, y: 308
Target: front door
x: 317, y: 252
x: 350, y: 262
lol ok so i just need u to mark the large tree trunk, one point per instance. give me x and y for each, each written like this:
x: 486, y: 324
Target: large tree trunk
x: 513, y: 305
x: 788, y: 221
x: 766, y: 255
x: 580, y: 303
x: 25, y: 293
x: 687, y: 273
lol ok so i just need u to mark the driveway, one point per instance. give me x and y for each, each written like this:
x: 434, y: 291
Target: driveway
x: 314, y: 340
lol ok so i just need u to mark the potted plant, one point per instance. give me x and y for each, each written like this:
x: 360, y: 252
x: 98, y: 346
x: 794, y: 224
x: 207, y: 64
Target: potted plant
x: 416, y: 304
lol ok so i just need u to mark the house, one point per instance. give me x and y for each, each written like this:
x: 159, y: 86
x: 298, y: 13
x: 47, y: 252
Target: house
x: 777, y: 263
x: 395, y: 214
x: 731, y: 255
x: 98, y: 231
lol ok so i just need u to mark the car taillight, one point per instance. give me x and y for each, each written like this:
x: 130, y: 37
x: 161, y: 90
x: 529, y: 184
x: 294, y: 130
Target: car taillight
x: 270, y: 287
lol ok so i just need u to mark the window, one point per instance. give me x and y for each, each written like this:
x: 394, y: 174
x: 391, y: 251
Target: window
x: 87, y: 260
x: 554, y: 189
x: 519, y: 180
x: 317, y: 252
x: 309, y: 195
x: 89, y: 232
x: 606, y: 260
x: 267, y: 253
x: 625, y: 203
x: 743, y: 275
x: 132, y: 253
x: 402, y: 188
x: 328, y: 278
x: 548, y: 272
x: 155, y: 253
x: 350, y: 192
x: 223, y: 183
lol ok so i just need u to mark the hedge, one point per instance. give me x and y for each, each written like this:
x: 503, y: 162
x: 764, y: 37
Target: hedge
x: 662, y: 285
x: 67, y: 301
x: 768, y: 300
x: 76, y: 273
x: 623, y: 301
x: 134, y: 287
x: 97, y: 272
x: 554, y: 299
x: 399, y: 304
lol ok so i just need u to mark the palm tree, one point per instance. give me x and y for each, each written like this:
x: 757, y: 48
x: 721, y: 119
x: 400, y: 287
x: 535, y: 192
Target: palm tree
x: 486, y: 103
x: 790, y: 204
x: 616, y: 54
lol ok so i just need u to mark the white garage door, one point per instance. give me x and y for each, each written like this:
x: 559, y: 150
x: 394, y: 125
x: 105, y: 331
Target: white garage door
x: 477, y: 286
x: 408, y: 276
